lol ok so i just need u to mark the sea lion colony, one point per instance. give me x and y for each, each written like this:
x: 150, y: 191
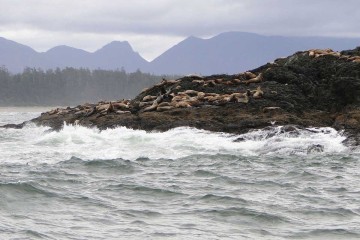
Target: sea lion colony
x: 101, y: 107
x: 175, y: 98
x: 212, y: 90
x: 169, y: 94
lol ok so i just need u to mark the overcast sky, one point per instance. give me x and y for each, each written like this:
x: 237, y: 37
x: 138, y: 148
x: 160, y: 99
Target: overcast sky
x: 153, y: 26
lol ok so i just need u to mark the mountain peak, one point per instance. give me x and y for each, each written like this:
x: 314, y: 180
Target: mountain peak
x: 116, y: 46
x: 118, y: 43
x: 6, y: 43
x: 64, y: 48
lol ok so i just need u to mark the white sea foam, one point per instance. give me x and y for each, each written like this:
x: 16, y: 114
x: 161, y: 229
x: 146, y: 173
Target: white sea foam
x: 37, y: 144
x: 298, y: 142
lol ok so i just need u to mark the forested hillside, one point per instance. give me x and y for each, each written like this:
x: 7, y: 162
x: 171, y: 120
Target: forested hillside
x: 70, y: 86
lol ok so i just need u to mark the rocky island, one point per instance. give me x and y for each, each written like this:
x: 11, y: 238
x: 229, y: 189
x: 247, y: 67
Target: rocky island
x: 317, y: 88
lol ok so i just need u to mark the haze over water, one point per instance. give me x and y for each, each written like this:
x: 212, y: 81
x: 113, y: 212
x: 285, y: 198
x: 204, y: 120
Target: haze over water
x: 82, y: 183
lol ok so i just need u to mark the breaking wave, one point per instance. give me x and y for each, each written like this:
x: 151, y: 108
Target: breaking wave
x: 91, y: 143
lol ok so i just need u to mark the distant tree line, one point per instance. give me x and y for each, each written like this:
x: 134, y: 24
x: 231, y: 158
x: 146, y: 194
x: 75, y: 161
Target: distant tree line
x: 71, y: 86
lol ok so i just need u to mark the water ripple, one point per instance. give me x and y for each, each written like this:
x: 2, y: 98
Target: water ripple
x: 82, y: 183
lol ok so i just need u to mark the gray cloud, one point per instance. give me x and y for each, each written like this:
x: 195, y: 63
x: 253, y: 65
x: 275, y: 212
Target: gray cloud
x: 181, y: 17
x: 173, y: 19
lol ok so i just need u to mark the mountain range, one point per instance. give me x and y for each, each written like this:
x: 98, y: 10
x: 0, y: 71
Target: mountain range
x: 229, y: 52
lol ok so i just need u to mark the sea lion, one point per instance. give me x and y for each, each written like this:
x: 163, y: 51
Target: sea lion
x: 152, y: 107
x: 53, y: 111
x: 219, y: 81
x: 148, y: 98
x: 81, y: 112
x: 110, y: 108
x: 249, y: 75
x: 228, y: 83
x: 327, y: 54
x: 240, y: 97
x: 322, y: 52
x: 223, y: 99
x: 191, y: 92
x: 102, y: 106
x: 62, y: 111
x: 172, y: 81
x: 336, y: 54
x: 120, y: 105
x: 91, y: 112
x: 163, y: 81
x: 311, y: 53
x: 144, y: 104
x: 258, y: 93
x: 210, y: 83
x: 180, y: 97
x: 236, y: 81
x: 211, y: 98
x: 122, y: 112
x: 154, y: 104
x: 164, y: 104
x: 195, y: 76
x: 226, y: 97
x: 243, y: 99
x: 211, y: 94
x: 354, y: 59
x: 236, y: 95
x: 200, y: 95
x: 257, y: 79
x: 163, y: 108
x: 193, y: 102
x: 182, y: 105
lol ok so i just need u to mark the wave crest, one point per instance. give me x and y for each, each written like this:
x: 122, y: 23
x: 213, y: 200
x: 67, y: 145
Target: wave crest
x: 123, y: 143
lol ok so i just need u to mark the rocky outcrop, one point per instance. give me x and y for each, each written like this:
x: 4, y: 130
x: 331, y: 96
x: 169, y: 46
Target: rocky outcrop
x: 309, y: 88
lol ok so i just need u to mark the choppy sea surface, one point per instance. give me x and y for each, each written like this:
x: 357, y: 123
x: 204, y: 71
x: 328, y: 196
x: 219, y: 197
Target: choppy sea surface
x: 82, y: 183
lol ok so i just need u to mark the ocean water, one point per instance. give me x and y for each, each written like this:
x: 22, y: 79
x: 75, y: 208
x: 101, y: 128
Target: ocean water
x: 82, y: 183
